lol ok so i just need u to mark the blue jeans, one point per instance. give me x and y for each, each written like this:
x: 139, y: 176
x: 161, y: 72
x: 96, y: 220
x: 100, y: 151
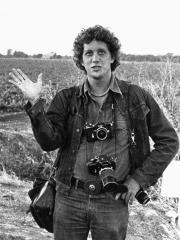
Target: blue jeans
x: 76, y: 213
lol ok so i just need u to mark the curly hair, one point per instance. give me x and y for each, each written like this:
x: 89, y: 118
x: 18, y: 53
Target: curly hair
x: 98, y: 33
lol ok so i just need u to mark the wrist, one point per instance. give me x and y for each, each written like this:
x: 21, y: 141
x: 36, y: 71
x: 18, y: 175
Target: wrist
x: 132, y: 183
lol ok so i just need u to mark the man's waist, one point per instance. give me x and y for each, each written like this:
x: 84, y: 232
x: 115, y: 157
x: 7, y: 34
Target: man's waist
x: 97, y: 186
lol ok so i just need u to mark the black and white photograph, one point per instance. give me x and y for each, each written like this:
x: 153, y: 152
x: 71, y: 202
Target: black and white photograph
x: 89, y: 120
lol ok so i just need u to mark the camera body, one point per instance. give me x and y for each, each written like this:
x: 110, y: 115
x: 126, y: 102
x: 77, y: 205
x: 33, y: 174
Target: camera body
x: 104, y: 166
x: 99, y: 131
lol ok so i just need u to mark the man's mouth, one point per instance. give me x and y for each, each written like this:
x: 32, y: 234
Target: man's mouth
x: 96, y: 68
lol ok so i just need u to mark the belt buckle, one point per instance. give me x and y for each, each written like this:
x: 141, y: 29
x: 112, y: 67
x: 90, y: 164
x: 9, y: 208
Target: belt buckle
x: 93, y: 187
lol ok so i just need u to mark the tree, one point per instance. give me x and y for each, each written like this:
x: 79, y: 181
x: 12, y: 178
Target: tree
x: 9, y: 53
x: 19, y: 54
x: 39, y: 55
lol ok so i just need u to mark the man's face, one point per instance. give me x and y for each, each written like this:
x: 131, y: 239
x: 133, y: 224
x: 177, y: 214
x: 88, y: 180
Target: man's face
x: 97, y: 59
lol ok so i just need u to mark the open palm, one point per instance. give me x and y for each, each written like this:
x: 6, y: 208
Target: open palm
x: 30, y: 89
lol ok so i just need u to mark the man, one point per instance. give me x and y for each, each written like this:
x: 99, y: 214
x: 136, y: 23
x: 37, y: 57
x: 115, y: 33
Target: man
x: 102, y: 130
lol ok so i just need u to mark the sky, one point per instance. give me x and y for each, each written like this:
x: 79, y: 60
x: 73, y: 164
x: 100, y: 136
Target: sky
x: 43, y: 26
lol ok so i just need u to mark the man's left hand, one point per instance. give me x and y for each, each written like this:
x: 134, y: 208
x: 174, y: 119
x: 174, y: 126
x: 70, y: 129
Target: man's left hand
x: 133, y: 188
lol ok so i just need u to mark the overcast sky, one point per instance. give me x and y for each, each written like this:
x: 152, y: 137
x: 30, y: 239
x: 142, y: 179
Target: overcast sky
x: 43, y: 26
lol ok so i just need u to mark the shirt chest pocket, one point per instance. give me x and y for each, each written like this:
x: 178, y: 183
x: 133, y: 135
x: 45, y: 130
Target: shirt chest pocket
x: 140, y: 112
x: 74, y: 125
x: 121, y: 131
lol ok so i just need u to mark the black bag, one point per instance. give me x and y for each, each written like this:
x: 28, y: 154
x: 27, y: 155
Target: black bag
x: 42, y: 196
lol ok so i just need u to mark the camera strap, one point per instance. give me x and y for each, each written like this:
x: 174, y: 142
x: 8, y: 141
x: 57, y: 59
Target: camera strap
x: 114, y: 130
x: 131, y: 133
x: 125, y: 88
x: 113, y: 122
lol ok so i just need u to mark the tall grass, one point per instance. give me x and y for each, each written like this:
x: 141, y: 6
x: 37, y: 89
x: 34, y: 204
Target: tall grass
x: 164, y: 90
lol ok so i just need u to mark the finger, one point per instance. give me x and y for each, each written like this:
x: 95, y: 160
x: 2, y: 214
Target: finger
x: 127, y: 197
x: 118, y: 196
x: 131, y: 199
x: 14, y: 78
x: 13, y: 82
x: 17, y: 74
x: 39, y: 79
x: 123, y: 196
x: 22, y: 74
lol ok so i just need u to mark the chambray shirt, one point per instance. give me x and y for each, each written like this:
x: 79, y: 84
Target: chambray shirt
x: 116, y: 146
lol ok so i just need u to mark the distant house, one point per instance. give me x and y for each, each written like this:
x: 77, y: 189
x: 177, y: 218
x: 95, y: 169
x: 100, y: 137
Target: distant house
x: 48, y: 55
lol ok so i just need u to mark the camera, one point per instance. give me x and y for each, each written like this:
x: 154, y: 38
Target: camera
x: 104, y: 166
x: 100, y: 131
x: 142, y: 196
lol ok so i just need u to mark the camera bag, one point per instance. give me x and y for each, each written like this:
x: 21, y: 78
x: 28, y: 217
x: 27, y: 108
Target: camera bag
x: 42, y: 196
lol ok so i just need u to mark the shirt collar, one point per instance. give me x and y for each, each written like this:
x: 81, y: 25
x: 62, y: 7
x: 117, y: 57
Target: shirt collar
x: 114, y: 87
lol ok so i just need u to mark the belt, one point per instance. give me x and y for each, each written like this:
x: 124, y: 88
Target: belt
x: 90, y: 187
x: 95, y: 187
x: 76, y: 183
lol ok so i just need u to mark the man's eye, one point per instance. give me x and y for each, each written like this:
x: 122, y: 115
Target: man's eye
x: 88, y: 54
x: 101, y: 52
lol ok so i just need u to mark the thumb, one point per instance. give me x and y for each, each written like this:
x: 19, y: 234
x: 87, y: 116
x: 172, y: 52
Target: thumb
x: 39, y: 79
x: 117, y: 196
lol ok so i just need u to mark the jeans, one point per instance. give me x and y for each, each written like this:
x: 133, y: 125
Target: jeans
x: 76, y: 213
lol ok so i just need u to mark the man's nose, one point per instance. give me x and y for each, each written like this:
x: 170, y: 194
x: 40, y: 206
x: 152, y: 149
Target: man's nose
x: 95, y: 57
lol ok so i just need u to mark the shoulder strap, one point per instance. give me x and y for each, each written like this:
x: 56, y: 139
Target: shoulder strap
x: 125, y: 88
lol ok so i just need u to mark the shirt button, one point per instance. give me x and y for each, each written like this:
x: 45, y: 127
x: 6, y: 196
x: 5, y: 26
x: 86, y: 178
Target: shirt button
x: 77, y: 130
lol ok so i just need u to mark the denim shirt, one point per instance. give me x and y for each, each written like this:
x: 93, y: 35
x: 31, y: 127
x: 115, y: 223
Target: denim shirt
x: 116, y: 146
x: 61, y: 127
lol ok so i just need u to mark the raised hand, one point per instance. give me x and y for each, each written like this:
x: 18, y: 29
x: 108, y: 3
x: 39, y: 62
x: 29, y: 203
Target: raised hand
x: 31, y: 90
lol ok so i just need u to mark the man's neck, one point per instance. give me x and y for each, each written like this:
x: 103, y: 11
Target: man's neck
x: 99, y: 85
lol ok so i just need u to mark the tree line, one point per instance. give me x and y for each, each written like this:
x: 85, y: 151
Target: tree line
x: 149, y: 58
x: 123, y: 56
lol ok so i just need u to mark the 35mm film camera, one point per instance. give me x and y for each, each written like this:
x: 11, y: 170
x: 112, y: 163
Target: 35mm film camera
x: 100, y: 131
x: 104, y: 166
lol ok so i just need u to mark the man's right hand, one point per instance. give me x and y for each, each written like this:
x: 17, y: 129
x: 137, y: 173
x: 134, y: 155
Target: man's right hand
x: 31, y: 90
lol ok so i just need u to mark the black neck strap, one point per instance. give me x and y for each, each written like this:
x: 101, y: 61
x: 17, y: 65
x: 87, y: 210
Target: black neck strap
x: 113, y: 122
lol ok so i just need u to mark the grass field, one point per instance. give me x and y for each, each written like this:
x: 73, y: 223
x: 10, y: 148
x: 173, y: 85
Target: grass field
x: 161, y: 79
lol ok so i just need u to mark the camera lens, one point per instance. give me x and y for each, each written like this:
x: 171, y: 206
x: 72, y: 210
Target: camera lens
x: 110, y: 184
x: 101, y: 133
x: 142, y: 197
x: 108, y: 180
